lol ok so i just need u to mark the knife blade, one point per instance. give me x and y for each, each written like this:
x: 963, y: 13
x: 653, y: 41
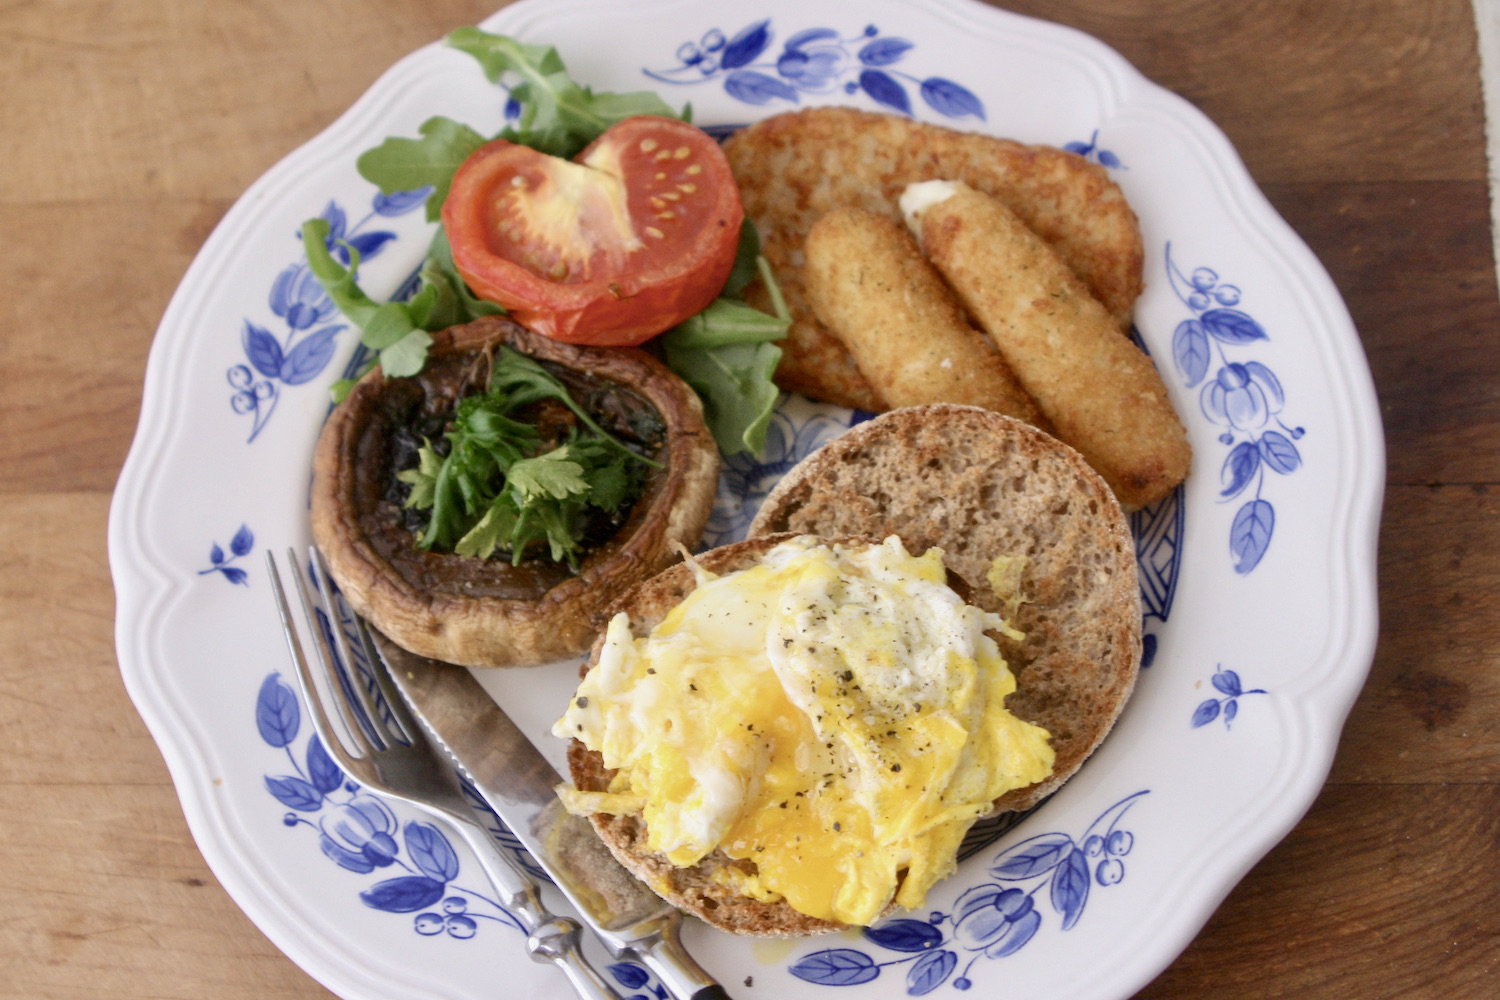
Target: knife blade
x: 519, y: 784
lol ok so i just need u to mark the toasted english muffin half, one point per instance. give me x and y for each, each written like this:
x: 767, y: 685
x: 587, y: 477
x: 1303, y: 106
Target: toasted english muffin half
x: 486, y: 612
x: 978, y: 485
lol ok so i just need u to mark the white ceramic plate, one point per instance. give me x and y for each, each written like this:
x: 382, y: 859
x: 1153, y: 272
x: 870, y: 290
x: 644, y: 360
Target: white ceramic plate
x: 1259, y: 576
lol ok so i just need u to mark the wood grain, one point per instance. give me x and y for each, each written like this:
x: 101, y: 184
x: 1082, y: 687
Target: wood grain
x: 1361, y: 121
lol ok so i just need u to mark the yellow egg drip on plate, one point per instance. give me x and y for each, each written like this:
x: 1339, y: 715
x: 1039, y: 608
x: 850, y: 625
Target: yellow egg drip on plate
x: 834, y: 715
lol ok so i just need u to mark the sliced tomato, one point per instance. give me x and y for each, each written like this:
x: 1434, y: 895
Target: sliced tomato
x: 631, y: 237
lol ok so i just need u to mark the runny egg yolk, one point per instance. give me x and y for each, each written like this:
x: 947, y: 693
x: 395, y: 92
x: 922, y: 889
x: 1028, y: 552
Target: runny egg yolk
x: 834, y: 715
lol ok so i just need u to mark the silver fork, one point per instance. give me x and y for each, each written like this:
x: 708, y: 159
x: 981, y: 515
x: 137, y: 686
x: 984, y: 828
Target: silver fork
x: 405, y: 765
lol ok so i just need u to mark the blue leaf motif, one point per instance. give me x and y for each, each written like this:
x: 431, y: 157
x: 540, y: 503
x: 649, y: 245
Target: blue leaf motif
x: 802, y: 38
x: 1108, y: 159
x: 630, y: 975
x: 1231, y: 326
x: 370, y: 244
x: 235, y: 575
x: 1231, y: 709
x: 930, y: 972
x: 431, y: 851
x: 1021, y: 932
x: 1033, y: 857
x: 242, y: 542
x: 884, y: 89
x: 295, y: 793
x: 948, y: 98
x: 746, y: 45
x: 754, y: 87
x: 403, y: 895
x: 1228, y: 682
x: 1190, y: 349
x: 1078, y: 148
x: 1250, y: 534
x: 1206, y: 713
x: 303, y: 362
x: 276, y: 712
x: 216, y: 554
x: 836, y: 967
x: 1280, y: 454
x: 325, y: 774
x: 262, y: 350
x: 905, y: 935
x: 400, y: 202
x: 884, y: 51
x: 1239, y: 468
x: 1070, y: 888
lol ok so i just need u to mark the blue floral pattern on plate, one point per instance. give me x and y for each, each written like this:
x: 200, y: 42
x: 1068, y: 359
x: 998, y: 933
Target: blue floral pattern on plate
x: 814, y: 61
x: 1243, y: 397
x: 299, y: 301
x: 240, y: 545
x: 358, y: 831
x: 990, y: 920
x: 1228, y: 683
x: 1090, y: 151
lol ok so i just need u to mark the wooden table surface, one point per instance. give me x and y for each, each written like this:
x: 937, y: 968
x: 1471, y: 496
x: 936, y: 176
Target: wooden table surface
x: 131, y: 127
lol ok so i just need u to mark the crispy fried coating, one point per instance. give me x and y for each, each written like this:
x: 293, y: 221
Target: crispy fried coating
x: 1101, y: 392
x: 869, y: 284
x: 794, y: 168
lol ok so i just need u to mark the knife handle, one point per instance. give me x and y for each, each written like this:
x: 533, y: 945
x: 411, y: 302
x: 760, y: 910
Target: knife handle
x: 664, y: 955
x: 549, y: 938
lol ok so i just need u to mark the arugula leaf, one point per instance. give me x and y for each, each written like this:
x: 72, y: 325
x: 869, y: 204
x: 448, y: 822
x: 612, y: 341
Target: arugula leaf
x: 558, y: 116
x: 725, y: 354
x: 407, y: 164
x: 735, y: 384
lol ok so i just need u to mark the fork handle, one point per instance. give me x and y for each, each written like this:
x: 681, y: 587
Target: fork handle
x: 549, y: 938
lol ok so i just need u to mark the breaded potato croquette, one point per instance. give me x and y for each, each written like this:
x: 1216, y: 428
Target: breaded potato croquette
x: 869, y: 284
x: 794, y: 168
x: 1101, y: 392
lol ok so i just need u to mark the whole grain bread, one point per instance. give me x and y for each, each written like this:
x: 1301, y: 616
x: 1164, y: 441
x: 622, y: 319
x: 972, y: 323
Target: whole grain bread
x: 981, y: 485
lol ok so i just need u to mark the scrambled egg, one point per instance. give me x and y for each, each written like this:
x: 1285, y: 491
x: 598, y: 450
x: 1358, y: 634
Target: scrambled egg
x: 834, y: 714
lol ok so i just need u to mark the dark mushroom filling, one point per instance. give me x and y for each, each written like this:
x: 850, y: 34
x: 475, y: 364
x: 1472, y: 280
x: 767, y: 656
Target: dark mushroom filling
x: 408, y: 412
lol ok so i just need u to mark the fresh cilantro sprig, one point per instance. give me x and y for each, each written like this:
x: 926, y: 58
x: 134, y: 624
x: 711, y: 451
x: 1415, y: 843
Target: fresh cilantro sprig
x: 490, y: 491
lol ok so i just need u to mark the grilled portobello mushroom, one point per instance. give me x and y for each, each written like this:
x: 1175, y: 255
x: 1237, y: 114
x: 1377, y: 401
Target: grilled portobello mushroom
x: 489, y: 612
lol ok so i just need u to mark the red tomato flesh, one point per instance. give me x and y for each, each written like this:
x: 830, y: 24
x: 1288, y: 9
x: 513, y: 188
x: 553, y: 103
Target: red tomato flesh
x: 633, y: 236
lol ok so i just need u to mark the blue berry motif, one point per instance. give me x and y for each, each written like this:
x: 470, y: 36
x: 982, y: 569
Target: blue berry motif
x: 992, y: 920
x: 814, y: 61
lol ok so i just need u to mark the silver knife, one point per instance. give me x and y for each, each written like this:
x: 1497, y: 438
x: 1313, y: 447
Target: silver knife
x: 520, y: 785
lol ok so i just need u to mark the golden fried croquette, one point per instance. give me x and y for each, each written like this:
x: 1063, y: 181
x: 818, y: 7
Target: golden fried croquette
x: 1101, y: 392
x: 794, y: 168
x: 869, y: 284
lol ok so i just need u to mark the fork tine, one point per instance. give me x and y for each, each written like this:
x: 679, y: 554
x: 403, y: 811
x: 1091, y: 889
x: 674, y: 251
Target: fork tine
x: 310, y: 693
x: 378, y: 729
x: 361, y: 737
x: 395, y: 699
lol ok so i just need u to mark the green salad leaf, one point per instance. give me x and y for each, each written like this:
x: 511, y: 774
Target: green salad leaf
x: 558, y: 116
x: 726, y: 354
x: 408, y: 164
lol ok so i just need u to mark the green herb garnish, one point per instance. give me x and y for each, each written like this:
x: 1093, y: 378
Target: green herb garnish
x: 492, y: 490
